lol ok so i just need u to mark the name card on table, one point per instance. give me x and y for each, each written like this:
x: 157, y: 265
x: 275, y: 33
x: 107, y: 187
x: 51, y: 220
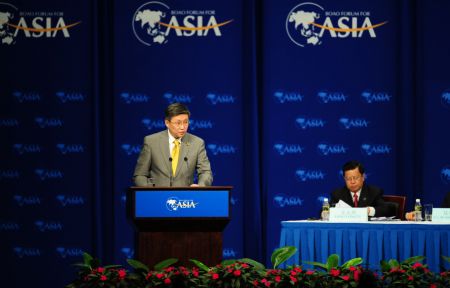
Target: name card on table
x: 348, y: 215
x: 441, y: 215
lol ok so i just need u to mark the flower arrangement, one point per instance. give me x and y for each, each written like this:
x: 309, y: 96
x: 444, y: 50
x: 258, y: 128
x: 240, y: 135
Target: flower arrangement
x: 409, y: 273
x: 92, y: 274
x: 246, y: 272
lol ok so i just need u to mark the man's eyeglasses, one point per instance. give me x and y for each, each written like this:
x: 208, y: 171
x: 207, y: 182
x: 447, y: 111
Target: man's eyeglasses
x: 180, y: 123
x: 354, y: 178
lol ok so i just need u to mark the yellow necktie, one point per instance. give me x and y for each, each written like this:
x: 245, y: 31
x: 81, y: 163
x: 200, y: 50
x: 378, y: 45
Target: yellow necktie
x: 175, y: 155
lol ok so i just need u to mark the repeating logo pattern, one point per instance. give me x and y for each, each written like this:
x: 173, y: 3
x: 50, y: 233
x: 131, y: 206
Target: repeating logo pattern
x: 326, y: 149
x: 306, y: 175
x: 130, y: 98
x: 48, y: 226
x: 445, y: 174
x: 282, y: 201
x: 375, y: 97
x: 65, y: 252
x: 350, y: 123
x: 331, y: 97
x: 288, y: 149
x: 131, y: 149
x: 375, y: 149
x: 287, y: 97
x: 307, y: 123
x: 216, y: 99
x: 218, y: 149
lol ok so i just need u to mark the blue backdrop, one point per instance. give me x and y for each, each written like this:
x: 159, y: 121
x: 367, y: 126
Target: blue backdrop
x: 281, y: 104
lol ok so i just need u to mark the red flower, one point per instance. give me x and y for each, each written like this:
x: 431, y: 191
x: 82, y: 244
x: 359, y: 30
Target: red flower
x: 309, y: 272
x: 215, y: 276
x: 195, y: 273
x: 244, y: 265
x: 433, y: 286
x: 277, y: 278
x: 159, y: 275
x: 167, y: 281
x: 356, y: 275
x: 122, y: 273
x: 293, y: 273
x: 169, y: 269
x: 298, y: 269
x: 345, y: 277
x: 255, y: 283
x: 293, y: 279
x: 352, y: 268
x: 148, y: 275
x: 410, y: 278
x: 103, y: 278
x: 417, y: 265
x: 237, y: 273
x: 335, y: 272
x: 265, y: 282
x: 100, y: 269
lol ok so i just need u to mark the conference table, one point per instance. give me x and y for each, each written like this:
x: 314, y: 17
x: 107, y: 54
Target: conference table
x: 373, y: 241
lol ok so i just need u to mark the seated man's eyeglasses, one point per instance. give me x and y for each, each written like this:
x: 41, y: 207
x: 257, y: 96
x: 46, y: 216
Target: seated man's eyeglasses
x: 353, y: 178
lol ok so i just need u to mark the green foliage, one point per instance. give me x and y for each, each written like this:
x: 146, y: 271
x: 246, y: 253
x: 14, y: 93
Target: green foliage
x: 165, y: 263
x: 282, y: 254
x: 200, y: 265
x: 137, y: 265
x: 246, y: 272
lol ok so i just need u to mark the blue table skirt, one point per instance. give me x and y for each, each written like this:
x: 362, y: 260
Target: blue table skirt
x: 372, y: 241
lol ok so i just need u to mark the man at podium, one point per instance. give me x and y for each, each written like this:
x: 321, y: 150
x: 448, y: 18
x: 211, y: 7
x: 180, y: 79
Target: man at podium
x: 171, y: 157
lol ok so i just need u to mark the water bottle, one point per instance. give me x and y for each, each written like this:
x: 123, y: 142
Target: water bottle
x: 325, y: 210
x: 418, y: 211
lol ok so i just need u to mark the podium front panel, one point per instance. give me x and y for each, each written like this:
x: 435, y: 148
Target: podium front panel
x: 181, y: 204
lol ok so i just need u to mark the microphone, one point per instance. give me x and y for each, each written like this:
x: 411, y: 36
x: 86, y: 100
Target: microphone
x: 170, y: 173
x: 185, y: 159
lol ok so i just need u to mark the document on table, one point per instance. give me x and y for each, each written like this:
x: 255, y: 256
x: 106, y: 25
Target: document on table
x: 342, y: 204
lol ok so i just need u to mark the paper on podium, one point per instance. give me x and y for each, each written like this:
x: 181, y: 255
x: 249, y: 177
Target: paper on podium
x: 342, y: 204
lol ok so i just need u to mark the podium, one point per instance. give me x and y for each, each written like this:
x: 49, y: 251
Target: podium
x: 179, y: 222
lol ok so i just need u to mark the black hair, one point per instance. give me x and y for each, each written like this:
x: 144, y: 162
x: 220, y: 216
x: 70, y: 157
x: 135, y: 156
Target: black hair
x: 176, y: 109
x: 350, y: 165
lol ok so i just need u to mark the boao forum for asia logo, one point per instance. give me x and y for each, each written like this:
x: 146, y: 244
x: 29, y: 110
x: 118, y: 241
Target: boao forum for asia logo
x: 32, y: 24
x: 308, y: 23
x: 154, y: 22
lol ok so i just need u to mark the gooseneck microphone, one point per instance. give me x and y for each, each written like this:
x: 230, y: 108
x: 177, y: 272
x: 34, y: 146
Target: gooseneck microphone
x: 170, y: 173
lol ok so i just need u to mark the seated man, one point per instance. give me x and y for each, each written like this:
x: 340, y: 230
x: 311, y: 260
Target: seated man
x: 357, y: 194
x: 410, y: 216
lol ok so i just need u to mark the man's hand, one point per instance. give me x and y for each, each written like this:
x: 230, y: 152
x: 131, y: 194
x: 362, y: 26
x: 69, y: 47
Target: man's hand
x: 195, y: 185
x: 410, y: 216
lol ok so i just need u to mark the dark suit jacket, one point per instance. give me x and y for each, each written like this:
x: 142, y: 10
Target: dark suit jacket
x: 370, y: 196
x: 446, y: 203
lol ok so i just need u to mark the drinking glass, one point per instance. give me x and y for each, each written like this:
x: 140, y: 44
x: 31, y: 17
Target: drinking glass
x: 428, y: 211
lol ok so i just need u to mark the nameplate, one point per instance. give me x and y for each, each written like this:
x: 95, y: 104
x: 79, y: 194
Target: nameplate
x: 441, y: 215
x: 348, y: 215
